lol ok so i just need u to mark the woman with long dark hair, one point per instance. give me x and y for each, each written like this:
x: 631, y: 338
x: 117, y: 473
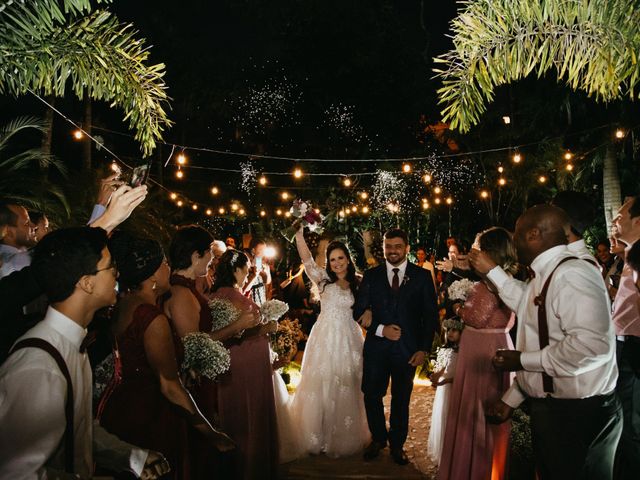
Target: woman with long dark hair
x: 328, y: 405
x: 246, y: 404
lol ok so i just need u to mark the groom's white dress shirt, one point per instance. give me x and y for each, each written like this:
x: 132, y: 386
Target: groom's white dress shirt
x: 32, y: 416
x: 402, y: 268
x: 581, y: 352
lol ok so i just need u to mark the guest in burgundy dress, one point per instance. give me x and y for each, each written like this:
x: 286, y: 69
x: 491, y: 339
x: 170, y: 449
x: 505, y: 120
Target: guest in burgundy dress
x: 474, y: 449
x: 245, y: 394
x: 188, y: 312
x: 146, y: 403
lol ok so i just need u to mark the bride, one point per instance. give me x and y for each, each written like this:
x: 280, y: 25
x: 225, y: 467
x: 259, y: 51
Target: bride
x: 328, y: 405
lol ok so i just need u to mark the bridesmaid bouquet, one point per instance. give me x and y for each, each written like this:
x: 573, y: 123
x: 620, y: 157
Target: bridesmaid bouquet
x: 285, y: 341
x: 273, y: 310
x: 223, y: 313
x: 305, y: 215
x: 205, y: 356
x: 459, y: 290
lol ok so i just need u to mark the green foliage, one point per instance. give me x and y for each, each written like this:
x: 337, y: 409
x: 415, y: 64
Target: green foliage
x: 19, y: 171
x: 47, y: 44
x: 591, y: 45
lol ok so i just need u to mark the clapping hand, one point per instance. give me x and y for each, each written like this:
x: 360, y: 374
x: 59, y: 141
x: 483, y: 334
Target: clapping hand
x: 498, y: 412
x: 155, y: 467
x: 480, y: 261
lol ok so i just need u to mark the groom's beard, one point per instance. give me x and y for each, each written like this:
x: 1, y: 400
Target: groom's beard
x: 395, y: 259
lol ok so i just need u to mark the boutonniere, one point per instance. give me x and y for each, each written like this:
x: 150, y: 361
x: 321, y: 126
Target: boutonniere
x: 405, y: 280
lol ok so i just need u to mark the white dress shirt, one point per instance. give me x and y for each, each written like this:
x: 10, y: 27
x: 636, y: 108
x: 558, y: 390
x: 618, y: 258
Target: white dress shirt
x: 580, y: 356
x: 32, y: 409
x: 402, y: 268
x: 579, y: 249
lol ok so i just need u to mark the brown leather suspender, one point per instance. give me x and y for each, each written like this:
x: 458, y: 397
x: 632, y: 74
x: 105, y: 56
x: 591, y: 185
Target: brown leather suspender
x: 68, y: 408
x: 543, y: 326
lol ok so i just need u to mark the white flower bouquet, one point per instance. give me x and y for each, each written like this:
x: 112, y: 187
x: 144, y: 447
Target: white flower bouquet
x: 223, y: 313
x: 306, y: 216
x: 204, y: 355
x: 459, y: 290
x: 273, y: 310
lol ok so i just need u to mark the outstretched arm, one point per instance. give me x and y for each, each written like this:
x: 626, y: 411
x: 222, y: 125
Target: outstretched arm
x: 315, y: 273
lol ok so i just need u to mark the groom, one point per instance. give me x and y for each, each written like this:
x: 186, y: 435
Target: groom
x: 400, y: 327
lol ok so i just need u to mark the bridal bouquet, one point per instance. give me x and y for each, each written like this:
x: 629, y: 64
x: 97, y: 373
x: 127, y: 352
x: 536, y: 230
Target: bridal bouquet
x: 305, y: 215
x: 272, y: 310
x: 204, y: 355
x: 459, y: 290
x: 285, y: 341
x: 223, y: 313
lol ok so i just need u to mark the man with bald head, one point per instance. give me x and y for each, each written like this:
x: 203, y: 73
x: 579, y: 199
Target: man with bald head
x: 565, y: 357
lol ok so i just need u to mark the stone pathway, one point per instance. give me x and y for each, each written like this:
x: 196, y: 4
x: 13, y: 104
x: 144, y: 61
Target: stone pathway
x: 319, y: 466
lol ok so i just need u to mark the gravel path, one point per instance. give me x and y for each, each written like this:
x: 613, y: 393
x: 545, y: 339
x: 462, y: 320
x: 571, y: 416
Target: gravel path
x: 319, y: 466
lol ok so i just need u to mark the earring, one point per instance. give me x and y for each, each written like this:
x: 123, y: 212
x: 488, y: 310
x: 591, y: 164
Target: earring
x: 154, y: 286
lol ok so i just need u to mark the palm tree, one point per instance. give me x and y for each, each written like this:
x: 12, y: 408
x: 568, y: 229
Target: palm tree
x: 49, y: 46
x: 19, y: 172
x: 591, y: 44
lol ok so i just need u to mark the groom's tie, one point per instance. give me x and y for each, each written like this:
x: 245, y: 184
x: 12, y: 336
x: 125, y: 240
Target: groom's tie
x: 395, y: 283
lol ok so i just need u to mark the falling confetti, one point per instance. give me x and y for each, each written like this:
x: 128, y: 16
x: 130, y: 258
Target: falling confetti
x: 342, y: 118
x: 249, y: 177
x: 390, y: 189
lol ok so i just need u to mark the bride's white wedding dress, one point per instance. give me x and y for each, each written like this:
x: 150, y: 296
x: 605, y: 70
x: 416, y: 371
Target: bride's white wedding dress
x: 328, y: 406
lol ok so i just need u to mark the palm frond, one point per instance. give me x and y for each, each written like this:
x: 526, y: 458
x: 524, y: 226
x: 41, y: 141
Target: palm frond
x: 43, y: 49
x: 17, y: 125
x: 591, y: 44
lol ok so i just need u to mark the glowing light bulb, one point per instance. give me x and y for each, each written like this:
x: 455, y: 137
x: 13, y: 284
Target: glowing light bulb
x: 569, y: 167
x: 365, y: 209
x: 262, y: 180
x: 278, y: 212
x: 263, y: 213
x: 449, y: 200
x: 484, y: 194
x: 179, y: 203
x: 568, y: 156
x: 354, y: 209
x: 341, y: 213
x: 241, y: 211
x: 182, y: 159
x: 297, y: 173
x: 437, y: 201
x: 406, y: 168
x: 285, y: 195
x: 437, y: 190
x: 221, y: 211
x: 506, y: 119
x: 194, y: 206
x: 173, y: 196
x: 364, y: 195
x: 619, y: 133
x: 500, y: 169
x: 209, y: 211
x: 425, y: 206
x: 180, y: 174
x: 215, y: 191
x: 317, y: 210
x: 427, y: 178
x: 347, y: 182
x: 77, y: 134
x: 542, y: 179
x: 502, y: 182
x: 517, y: 158
x: 287, y: 214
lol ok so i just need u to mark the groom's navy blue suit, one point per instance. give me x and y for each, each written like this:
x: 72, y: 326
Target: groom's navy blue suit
x: 413, y: 308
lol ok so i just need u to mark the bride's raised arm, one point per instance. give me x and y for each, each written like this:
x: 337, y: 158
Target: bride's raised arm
x: 315, y: 273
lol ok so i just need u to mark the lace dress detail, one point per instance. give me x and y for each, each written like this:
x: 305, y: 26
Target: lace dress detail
x: 328, y: 405
x: 446, y: 360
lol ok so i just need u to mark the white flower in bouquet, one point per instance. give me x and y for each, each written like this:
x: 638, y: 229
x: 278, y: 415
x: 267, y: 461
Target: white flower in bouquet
x: 273, y: 310
x: 223, y: 313
x: 308, y: 217
x: 204, y: 355
x: 459, y: 290
x: 443, y: 357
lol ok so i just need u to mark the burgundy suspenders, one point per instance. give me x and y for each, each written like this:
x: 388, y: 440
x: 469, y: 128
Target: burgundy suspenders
x: 68, y: 408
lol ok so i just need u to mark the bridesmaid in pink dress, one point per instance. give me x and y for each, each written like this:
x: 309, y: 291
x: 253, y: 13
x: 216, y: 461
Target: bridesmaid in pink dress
x: 246, y: 402
x: 189, y: 255
x: 474, y: 449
